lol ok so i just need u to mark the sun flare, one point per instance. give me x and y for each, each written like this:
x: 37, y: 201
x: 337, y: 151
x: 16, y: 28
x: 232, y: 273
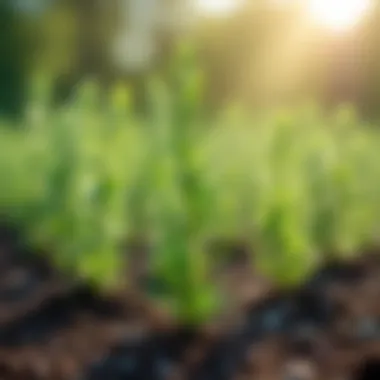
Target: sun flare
x: 338, y: 14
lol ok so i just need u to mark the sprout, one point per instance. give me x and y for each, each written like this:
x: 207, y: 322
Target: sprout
x: 298, y: 185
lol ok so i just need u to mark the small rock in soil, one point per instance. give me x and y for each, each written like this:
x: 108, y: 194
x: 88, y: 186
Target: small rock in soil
x: 270, y: 317
x: 367, y: 329
x: 299, y: 370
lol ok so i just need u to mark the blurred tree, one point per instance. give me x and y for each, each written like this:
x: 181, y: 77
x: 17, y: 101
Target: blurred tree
x: 262, y: 54
x: 17, y: 48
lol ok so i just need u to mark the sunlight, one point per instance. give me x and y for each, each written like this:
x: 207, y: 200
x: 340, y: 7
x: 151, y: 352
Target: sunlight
x: 338, y: 14
x: 216, y: 7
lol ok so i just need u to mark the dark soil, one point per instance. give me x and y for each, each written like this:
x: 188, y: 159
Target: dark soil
x: 51, y: 329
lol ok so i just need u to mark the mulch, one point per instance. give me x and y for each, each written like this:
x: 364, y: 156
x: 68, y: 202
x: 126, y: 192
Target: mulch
x: 54, y: 329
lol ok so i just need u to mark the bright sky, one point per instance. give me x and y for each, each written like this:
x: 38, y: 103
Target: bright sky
x: 336, y: 15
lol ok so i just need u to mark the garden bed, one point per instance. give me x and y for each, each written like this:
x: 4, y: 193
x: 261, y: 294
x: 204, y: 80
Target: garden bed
x: 328, y: 329
x: 82, y: 179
